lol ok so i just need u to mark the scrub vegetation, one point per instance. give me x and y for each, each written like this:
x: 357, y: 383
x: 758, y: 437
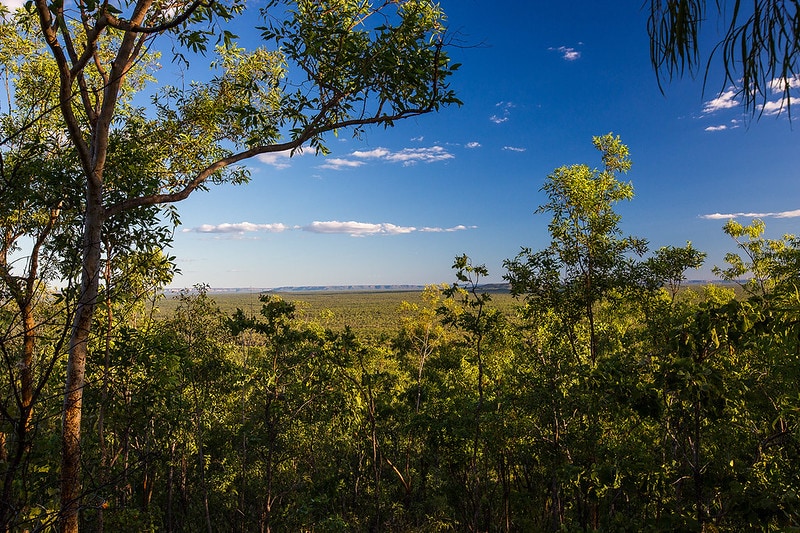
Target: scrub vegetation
x: 599, y: 394
x: 602, y: 397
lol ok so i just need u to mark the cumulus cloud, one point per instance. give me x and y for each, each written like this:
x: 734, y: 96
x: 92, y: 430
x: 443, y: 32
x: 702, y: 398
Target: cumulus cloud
x: 776, y: 107
x: 473, y: 144
x: 238, y: 228
x: 726, y: 216
x: 514, y: 149
x: 725, y: 100
x: 406, y: 157
x: 731, y: 98
x: 567, y: 53
x: 778, y: 85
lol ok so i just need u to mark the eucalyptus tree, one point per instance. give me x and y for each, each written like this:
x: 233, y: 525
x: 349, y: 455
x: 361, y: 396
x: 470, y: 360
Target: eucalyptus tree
x: 587, y: 257
x: 333, y: 65
x: 577, y: 314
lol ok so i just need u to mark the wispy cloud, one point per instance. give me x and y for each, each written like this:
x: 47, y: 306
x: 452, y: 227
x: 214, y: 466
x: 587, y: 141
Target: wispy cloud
x: 726, y: 216
x: 357, y: 229
x: 330, y: 227
x: 364, y: 229
x: 568, y: 53
x: 238, y: 228
x: 411, y: 156
x: 473, y: 144
x: 337, y: 163
x: 279, y: 160
x: 406, y: 157
x: 505, y: 112
x: 460, y: 227
x: 514, y: 149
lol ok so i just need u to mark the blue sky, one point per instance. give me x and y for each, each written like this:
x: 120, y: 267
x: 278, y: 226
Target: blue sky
x: 396, y: 206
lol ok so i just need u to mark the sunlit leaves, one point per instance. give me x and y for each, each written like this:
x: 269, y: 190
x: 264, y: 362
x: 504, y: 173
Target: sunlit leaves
x: 360, y: 62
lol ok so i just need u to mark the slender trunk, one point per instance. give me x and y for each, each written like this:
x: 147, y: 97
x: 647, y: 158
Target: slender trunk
x: 76, y: 364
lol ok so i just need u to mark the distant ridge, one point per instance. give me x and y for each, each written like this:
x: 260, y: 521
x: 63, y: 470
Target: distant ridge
x: 489, y: 287
x: 348, y: 288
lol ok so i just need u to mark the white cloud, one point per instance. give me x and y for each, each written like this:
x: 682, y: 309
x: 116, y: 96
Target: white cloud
x: 279, y: 160
x: 460, y: 227
x: 725, y: 100
x: 418, y: 139
x: 505, y: 115
x: 364, y: 229
x: 721, y: 127
x: 410, y: 156
x: 729, y: 99
x: 780, y: 214
x: 567, y: 53
x: 776, y: 107
x: 330, y: 227
x: 239, y: 228
x: 406, y: 156
x: 337, y: 163
x: 473, y: 144
x: 514, y: 149
x: 777, y: 85
x: 377, y: 153
x: 357, y: 229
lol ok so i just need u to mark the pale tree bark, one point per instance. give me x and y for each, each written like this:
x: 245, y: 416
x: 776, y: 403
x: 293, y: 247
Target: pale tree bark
x: 76, y: 368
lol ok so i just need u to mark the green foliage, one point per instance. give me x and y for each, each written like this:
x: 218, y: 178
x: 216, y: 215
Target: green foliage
x: 605, y: 397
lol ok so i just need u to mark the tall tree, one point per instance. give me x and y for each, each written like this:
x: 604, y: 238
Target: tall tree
x: 586, y: 258
x: 336, y: 65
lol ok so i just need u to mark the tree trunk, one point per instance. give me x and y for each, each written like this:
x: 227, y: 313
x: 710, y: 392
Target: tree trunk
x: 76, y: 364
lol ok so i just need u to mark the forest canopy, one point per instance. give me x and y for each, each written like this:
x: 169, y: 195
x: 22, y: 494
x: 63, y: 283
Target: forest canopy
x: 610, y: 396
